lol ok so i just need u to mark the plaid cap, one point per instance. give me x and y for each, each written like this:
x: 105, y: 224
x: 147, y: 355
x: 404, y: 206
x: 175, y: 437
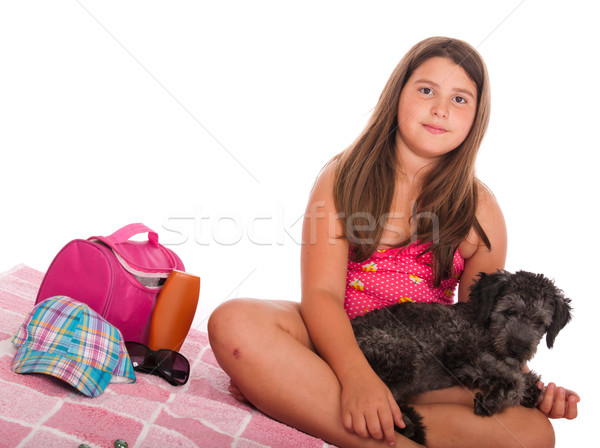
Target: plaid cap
x: 68, y: 340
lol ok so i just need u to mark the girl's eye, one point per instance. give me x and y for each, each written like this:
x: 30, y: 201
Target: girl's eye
x: 426, y: 90
x: 460, y: 100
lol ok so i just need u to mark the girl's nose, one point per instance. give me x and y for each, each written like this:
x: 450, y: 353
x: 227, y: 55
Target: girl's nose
x: 439, y: 109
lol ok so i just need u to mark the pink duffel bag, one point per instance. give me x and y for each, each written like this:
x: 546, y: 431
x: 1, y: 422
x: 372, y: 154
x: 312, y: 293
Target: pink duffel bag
x: 118, y: 278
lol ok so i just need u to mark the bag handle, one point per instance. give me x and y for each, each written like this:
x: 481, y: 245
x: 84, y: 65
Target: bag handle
x: 125, y: 233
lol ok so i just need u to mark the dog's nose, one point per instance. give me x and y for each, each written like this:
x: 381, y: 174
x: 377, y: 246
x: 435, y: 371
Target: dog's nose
x: 518, y: 348
x: 514, y: 352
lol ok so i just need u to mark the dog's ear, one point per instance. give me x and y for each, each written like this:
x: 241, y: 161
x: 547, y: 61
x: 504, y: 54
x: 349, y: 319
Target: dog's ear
x: 561, y: 317
x: 485, y: 292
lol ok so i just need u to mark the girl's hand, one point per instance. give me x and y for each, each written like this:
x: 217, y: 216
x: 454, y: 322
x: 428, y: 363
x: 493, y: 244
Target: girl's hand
x: 557, y: 402
x: 369, y: 409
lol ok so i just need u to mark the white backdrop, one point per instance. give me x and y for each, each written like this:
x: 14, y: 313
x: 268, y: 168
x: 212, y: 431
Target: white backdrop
x: 209, y: 121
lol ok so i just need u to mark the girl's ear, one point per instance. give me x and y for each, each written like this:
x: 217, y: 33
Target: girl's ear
x: 485, y: 292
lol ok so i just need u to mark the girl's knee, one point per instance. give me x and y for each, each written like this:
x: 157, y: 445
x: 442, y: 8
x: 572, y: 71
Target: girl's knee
x: 535, y: 430
x: 542, y: 432
x: 243, y: 322
x: 228, y: 320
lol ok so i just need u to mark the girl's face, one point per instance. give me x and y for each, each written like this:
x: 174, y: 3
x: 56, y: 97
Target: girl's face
x: 436, y: 109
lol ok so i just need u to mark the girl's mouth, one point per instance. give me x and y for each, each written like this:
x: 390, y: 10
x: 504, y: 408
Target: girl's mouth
x: 434, y: 129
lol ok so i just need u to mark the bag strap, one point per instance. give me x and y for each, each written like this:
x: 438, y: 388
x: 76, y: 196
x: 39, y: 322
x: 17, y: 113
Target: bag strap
x: 125, y: 233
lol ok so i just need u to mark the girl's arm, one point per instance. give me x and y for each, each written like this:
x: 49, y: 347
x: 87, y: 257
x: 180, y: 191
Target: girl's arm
x: 478, y: 258
x: 368, y: 407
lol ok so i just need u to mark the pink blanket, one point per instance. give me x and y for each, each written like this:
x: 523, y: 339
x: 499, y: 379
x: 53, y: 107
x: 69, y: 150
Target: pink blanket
x: 40, y: 411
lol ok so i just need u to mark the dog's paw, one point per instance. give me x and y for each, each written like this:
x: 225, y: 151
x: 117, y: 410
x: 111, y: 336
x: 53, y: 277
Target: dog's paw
x: 531, y: 396
x: 414, y: 430
x: 531, y: 391
x: 496, y: 400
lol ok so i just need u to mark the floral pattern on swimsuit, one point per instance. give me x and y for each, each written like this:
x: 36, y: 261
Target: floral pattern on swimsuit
x: 397, y: 275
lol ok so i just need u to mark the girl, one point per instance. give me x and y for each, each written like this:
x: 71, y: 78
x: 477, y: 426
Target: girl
x: 399, y: 215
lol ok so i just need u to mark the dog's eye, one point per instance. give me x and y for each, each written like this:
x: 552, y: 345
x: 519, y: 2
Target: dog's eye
x: 509, y: 313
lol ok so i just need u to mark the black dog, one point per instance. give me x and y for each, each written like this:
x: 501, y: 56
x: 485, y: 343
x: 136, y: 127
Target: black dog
x: 482, y: 344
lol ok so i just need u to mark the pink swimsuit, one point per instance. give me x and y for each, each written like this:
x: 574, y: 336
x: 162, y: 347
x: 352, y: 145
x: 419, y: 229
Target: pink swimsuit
x: 397, y: 275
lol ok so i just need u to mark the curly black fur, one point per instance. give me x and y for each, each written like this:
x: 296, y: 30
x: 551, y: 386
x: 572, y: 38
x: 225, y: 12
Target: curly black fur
x: 482, y: 344
x: 414, y: 430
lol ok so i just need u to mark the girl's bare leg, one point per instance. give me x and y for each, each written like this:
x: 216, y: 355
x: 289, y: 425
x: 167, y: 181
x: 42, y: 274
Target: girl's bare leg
x: 450, y: 421
x: 265, y: 348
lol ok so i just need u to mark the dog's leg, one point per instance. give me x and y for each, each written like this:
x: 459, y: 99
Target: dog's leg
x: 508, y: 388
x: 500, y: 386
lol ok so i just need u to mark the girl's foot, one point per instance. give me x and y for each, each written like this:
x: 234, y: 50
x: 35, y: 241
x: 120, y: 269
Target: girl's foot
x: 237, y: 394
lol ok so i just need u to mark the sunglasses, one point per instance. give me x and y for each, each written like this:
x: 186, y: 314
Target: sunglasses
x: 168, y: 364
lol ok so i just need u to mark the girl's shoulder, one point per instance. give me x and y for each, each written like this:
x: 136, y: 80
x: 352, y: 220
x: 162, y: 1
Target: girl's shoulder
x: 321, y: 204
x: 488, y: 209
x: 490, y: 217
x: 325, y: 180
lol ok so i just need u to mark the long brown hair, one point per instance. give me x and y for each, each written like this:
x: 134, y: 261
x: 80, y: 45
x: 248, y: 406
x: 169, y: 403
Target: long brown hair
x: 444, y: 211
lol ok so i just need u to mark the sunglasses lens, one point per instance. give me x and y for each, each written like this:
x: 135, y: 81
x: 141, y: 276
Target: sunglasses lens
x: 174, y: 366
x: 137, y: 353
x: 168, y: 364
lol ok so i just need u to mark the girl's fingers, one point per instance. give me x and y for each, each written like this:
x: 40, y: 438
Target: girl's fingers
x: 387, y: 426
x: 558, y: 402
x: 347, y: 421
x: 545, y: 404
x: 558, y: 405
x: 360, y: 426
x: 396, y: 413
x: 571, y: 412
x: 374, y: 426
